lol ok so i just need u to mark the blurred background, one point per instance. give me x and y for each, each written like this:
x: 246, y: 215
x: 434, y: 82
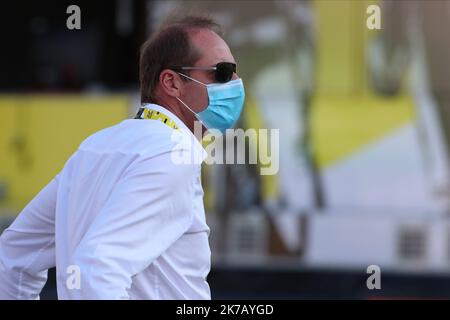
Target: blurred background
x: 364, y: 120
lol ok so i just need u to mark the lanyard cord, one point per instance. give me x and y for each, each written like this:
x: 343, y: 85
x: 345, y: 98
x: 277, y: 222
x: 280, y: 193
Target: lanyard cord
x: 145, y: 113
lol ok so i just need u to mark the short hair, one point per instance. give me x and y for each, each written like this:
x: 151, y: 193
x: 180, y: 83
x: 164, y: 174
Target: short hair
x: 170, y: 46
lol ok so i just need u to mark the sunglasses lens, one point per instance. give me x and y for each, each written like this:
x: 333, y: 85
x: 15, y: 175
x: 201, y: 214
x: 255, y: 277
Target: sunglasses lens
x: 224, y: 71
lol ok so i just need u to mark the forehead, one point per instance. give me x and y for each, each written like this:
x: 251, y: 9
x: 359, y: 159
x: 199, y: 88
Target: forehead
x: 212, y: 47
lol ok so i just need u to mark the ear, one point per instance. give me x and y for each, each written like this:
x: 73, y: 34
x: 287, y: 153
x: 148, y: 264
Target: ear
x: 170, y: 83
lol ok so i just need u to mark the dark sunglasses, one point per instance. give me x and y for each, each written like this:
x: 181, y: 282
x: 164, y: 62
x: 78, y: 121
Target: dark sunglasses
x: 223, y: 71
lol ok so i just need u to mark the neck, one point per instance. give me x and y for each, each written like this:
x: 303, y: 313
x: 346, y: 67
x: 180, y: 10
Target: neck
x: 182, y: 113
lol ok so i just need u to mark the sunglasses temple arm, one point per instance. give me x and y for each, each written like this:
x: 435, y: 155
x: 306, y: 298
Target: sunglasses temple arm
x: 197, y: 68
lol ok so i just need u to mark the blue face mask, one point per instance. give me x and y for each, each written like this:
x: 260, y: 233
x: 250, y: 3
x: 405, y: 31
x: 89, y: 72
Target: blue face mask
x: 225, y: 104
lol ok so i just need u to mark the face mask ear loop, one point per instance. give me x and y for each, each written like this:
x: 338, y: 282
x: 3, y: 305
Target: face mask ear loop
x: 186, y: 106
x: 192, y: 79
x: 195, y: 114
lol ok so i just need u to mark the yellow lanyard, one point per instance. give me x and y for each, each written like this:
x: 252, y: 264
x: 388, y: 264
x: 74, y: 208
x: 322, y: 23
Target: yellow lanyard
x: 145, y: 113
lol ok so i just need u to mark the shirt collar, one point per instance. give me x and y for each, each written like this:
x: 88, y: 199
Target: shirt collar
x: 178, y: 121
x: 168, y: 113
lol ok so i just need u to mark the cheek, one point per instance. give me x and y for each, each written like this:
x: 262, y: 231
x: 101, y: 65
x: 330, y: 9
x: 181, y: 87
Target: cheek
x: 199, y: 98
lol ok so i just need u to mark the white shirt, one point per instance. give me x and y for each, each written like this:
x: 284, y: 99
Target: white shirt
x: 124, y: 213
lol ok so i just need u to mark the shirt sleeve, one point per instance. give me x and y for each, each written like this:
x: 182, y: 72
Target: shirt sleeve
x: 27, y: 247
x: 147, y: 211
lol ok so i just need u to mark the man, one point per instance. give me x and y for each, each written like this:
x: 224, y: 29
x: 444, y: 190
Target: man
x: 123, y: 220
